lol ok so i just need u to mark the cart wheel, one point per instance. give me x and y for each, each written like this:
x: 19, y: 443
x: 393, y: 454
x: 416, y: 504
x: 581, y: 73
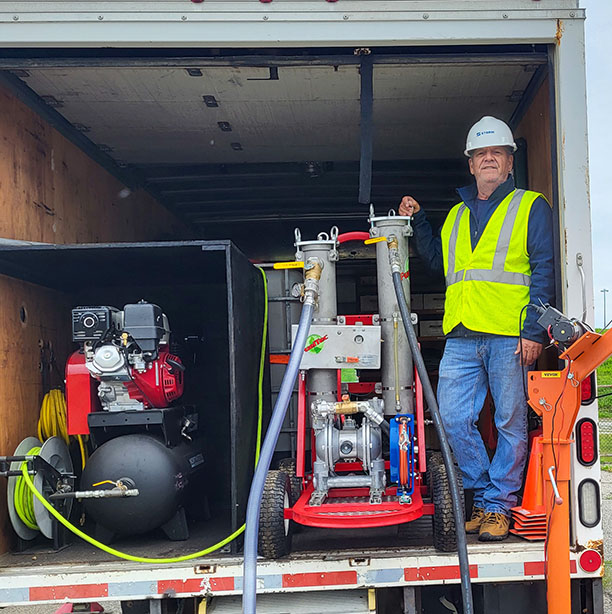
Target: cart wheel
x: 274, y: 529
x: 444, y: 529
x: 288, y: 465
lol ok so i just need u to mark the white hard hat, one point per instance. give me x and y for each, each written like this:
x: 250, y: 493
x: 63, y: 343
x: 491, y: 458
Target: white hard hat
x: 489, y: 132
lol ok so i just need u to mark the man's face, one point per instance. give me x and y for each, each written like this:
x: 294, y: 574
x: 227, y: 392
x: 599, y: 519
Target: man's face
x: 491, y: 165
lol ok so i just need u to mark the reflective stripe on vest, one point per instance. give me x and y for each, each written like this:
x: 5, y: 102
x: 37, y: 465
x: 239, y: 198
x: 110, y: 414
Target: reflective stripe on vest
x: 496, y: 273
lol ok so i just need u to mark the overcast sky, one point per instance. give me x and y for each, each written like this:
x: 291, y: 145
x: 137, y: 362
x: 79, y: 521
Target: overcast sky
x: 599, y: 90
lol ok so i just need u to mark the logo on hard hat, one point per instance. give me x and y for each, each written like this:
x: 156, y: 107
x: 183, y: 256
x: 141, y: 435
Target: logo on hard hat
x: 485, y: 132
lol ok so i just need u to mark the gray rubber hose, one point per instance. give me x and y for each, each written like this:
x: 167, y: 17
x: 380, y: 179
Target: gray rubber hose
x: 249, y: 591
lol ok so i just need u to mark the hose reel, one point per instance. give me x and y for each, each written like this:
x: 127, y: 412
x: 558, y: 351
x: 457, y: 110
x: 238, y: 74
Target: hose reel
x: 52, y: 470
x: 51, y: 467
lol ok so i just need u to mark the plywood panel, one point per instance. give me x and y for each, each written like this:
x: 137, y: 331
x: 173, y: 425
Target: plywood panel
x: 45, y: 313
x: 535, y: 129
x: 51, y: 191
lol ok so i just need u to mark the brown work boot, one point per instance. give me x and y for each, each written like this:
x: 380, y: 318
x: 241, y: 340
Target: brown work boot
x: 494, y: 527
x: 472, y: 526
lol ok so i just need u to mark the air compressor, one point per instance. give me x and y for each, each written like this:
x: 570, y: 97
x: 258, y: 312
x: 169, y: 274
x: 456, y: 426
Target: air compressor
x: 123, y: 385
x: 120, y: 388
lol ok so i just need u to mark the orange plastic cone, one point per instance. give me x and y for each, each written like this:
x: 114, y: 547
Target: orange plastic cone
x: 533, y: 495
x: 530, y: 517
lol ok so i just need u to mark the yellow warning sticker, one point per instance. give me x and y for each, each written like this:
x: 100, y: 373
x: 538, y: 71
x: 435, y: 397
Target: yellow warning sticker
x: 551, y: 374
x: 288, y: 265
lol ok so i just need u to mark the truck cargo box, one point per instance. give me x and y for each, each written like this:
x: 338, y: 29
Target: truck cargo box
x: 204, y: 126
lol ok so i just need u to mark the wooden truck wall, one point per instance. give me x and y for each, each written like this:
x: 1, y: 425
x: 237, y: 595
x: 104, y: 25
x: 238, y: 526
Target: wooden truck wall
x: 50, y: 191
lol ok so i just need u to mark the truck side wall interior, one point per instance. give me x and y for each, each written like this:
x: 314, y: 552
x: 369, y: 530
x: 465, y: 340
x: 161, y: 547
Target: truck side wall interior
x: 54, y: 193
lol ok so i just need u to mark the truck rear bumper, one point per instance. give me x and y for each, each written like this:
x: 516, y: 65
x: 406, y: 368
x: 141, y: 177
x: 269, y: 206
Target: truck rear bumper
x: 307, y: 571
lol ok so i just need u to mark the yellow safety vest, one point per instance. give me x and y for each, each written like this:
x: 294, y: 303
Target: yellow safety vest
x: 487, y: 288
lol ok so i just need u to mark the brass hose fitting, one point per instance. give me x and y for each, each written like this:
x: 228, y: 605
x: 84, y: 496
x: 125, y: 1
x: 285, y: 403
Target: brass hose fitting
x: 394, y: 255
x: 313, y: 268
x: 346, y: 407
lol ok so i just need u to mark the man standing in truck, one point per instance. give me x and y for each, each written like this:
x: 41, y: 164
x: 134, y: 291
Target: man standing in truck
x: 496, y: 252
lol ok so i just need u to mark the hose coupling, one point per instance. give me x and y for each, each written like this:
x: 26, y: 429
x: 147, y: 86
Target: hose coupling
x: 313, y: 268
x: 394, y: 255
x: 373, y: 416
x: 354, y: 407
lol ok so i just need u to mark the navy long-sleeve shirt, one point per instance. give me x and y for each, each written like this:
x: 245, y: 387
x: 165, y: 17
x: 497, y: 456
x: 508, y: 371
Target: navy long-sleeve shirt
x: 539, y: 248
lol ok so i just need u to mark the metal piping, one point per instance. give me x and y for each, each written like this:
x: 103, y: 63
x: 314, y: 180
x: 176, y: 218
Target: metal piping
x: 396, y: 367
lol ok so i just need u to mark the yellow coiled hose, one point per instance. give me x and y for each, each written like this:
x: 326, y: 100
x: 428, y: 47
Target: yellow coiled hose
x: 52, y: 421
x: 129, y: 557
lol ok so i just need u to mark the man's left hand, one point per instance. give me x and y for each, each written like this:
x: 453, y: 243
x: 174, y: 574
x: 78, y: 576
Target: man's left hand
x: 531, y: 351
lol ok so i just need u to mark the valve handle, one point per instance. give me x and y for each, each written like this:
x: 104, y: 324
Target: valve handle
x: 374, y: 240
x: 289, y: 265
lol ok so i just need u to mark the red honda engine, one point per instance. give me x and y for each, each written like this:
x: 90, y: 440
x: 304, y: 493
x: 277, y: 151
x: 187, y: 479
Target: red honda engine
x: 160, y: 384
x: 123, y: 364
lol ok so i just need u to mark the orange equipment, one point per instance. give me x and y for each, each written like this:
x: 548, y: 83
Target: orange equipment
x: 530, y: 517
x: 555, y: 395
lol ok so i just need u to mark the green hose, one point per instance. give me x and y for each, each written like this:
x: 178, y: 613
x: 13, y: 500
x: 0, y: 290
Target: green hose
x: 24, y: 502
x: 262, y: 364
x: 117, y: 553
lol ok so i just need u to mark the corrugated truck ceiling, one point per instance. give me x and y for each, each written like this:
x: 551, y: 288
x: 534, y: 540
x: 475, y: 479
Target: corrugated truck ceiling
x: 158, y: 115
x: 271, y: 138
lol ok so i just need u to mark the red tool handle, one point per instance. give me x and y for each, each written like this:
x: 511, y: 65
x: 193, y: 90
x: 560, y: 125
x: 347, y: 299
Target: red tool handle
x: 345, y: 237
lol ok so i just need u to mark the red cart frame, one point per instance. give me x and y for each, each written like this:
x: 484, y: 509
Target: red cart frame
x: 350, y: 507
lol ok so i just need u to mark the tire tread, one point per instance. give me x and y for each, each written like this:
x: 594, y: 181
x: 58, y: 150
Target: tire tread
x: 289, y: 466
x: 444, y: 527
x: 273, y: 543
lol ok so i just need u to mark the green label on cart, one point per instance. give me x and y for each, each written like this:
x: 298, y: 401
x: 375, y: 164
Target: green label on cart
x: 406, y: 273
x: 315, y: 343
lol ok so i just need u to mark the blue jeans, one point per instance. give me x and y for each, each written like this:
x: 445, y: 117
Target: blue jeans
x: 469, y: 367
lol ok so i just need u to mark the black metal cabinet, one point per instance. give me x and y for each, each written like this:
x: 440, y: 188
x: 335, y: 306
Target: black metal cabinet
x: 213, y: 297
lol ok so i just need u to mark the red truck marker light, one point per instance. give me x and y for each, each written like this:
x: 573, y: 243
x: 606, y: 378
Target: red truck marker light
x: 590, y: 560
x: 588, y: 390
x: 586, y: 441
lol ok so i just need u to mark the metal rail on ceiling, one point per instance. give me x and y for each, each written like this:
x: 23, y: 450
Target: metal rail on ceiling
x: 8, y: 62
x: 339, y: 170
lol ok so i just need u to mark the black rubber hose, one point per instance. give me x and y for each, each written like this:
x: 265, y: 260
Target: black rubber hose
x: 386, y: 429
x: 464, y: 566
